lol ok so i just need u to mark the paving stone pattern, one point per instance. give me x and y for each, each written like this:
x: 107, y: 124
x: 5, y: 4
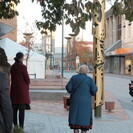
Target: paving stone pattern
x: 51, y: 117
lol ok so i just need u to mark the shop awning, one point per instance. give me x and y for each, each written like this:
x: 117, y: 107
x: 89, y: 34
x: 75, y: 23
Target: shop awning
x: 4, y: 29
x: 114, y: 46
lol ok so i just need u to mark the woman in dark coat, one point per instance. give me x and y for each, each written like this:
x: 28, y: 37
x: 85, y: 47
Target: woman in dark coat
x: 6, y: 112
x: 19, y: 89
x: 80, y: 113
x: 4, y: 65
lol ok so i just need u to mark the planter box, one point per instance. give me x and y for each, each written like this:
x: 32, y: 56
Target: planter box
x: 109, y: 105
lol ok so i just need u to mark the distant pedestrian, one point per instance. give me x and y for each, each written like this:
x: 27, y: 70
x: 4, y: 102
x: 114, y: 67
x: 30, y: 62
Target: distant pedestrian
x: 81, y: 88
x: 19, y: 89
x: 6, y: 113
x: 54, y: 73
x: 129, y: 68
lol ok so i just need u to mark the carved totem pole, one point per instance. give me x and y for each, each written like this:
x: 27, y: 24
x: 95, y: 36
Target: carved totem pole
x: 98, y: 31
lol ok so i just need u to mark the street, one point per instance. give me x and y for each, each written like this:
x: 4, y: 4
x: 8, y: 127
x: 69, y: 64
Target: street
x: 51, y: 117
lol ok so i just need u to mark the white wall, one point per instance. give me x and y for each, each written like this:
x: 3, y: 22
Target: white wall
x: 34, y: 67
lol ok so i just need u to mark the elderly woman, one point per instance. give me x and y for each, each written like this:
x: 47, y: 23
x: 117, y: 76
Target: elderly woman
x: 81, y: 88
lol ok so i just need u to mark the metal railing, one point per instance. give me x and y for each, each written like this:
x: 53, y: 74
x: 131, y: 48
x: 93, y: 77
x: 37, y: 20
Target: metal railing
x: 33, y: 75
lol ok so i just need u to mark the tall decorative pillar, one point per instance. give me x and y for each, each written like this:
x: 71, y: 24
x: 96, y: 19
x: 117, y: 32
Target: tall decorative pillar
x: 98, y: 31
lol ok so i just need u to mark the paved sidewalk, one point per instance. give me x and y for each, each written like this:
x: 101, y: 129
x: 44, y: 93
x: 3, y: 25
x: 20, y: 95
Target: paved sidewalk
x: 51, y: 117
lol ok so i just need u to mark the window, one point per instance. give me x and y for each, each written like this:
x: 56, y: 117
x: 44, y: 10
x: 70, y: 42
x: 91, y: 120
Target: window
x: 119, y: 27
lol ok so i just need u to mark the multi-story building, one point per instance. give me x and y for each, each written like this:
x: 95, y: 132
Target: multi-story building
x: 58, y: 58
x: 12, y: 23
x: 112, y: 42
x: 118, y: 45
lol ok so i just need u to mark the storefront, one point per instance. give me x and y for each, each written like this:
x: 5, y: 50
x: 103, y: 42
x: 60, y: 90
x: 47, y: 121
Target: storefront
x: 113, y: 64
x: 108, y: 68
x: 127, y: 63
x: 117, y: 65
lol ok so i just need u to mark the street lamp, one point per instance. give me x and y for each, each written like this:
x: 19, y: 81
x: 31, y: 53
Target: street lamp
x: 47, y: 55
x: 68, y: 53
x: 51, y: 64
x: 28, y: 37
x: 73, y: 51
x: 77, y: 63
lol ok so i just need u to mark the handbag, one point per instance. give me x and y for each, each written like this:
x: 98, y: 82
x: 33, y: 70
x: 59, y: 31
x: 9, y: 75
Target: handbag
x: 68, y: 102
x: 74, y: 90
x: 27, y: 107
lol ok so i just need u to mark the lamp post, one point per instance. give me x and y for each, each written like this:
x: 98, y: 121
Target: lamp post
x: 27, y: 37
x: 47, y: 55
x: 77, y: 63
x: 68, y: 53
x: 62, y: 62
x: 51, y: 64
x: 73, y: 52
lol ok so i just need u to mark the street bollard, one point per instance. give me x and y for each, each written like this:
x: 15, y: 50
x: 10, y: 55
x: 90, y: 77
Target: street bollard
x: 109, y: 105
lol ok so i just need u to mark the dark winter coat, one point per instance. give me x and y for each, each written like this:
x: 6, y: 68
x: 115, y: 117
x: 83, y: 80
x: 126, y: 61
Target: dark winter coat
x: 6, y: 113
x: 19, y: 84
x: 81, y: 101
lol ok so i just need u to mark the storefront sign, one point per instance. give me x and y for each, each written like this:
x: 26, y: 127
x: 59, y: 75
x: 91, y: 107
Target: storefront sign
x: 123, y: 51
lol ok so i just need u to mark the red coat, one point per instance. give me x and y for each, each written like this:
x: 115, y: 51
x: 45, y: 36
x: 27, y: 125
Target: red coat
x: 19, y: 84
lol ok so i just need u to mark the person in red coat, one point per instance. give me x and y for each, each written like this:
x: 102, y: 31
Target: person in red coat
x: 19, y: 89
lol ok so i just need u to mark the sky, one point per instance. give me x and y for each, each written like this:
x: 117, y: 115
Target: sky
x: 30, y: 12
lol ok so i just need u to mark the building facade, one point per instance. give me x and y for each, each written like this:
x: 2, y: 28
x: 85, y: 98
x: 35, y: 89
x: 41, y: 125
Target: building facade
x: 13, y: 23
x: 118, y: 45
x: 58, y: 58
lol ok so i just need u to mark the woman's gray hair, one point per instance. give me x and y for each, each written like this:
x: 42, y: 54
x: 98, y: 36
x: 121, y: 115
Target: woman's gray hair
x: 83, y: 69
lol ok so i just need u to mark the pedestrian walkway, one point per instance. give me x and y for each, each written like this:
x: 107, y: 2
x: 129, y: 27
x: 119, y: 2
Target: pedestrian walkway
x: 120, y: 76
x: 69, y: 74
x: 51, y: 117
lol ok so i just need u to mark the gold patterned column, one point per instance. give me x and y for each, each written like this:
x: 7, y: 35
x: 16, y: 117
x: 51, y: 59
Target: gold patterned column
x: 98, y: 31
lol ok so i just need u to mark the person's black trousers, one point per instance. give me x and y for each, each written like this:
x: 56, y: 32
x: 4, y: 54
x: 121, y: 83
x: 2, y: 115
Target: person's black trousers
x: 21, y: 116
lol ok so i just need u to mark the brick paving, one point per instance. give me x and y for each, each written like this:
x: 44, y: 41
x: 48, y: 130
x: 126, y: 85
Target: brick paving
x: 56, y: 108
x: 51, y: 117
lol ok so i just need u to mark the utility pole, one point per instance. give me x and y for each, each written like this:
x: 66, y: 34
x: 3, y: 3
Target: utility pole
x: 51, y: 61
x: 98, y: 31
x: 62, y: 68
